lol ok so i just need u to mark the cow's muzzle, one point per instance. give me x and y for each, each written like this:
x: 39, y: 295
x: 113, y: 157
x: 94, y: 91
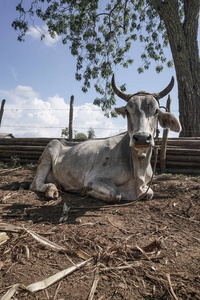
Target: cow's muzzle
x: 142, y: 141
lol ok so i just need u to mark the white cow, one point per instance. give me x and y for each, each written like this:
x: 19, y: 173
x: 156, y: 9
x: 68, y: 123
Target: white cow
x: 109, y: 169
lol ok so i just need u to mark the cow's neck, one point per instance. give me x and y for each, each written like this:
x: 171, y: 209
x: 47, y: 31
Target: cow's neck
x: 141, y: 167
x: 140, y: 160
x: 137, y: 159
x: 136, y: 164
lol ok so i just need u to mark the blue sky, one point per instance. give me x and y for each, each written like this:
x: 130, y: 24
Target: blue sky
x: 37, y: 80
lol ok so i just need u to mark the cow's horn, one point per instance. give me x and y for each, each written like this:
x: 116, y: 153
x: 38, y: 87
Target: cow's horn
x: 166, y: 91
x: 118, y: 92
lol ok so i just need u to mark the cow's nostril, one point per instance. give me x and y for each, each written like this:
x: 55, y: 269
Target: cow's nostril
x: 142, y: 139
x: 135, y: 138
x: 149, y: 138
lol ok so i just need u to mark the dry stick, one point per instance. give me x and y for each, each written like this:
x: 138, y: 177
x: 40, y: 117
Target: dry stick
x: 115, y: 226
x: 20, y: 204
x: 129, y: 266
x: 145, y: 255
x: 196, y: 239
x: 57, y: 289
x: 94, y: 285
x: 170, y: 285
x: 188, y: 219
x: 10, y: 170
x: 47, y: 294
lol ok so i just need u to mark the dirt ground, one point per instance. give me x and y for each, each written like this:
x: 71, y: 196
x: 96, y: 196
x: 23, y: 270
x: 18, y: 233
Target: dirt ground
x: 123, y: 265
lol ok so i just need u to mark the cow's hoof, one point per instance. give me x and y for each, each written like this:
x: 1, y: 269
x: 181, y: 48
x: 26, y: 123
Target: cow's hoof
x: 113, y: 199
x: 51, y: 192
x: 148, y: 195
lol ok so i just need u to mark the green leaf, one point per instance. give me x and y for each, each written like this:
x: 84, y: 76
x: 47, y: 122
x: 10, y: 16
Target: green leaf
x: 140, y: 70
x: 159, y: 68
x: 100, y: 38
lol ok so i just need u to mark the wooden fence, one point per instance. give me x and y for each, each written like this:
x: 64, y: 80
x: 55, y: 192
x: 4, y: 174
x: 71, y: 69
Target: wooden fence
x: 182, y: 154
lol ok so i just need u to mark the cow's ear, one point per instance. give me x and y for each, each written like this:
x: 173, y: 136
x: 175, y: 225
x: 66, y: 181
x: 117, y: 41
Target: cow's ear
x: 121, y: 111
x: 168, y: 120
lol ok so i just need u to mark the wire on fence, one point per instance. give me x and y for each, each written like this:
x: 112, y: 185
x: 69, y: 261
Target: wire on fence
x: 47, y: 109
x: 61, y: 127
x: 62, y: 109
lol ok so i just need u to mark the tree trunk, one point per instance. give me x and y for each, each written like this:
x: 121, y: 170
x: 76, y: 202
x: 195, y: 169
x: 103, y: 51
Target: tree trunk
x: 184, y: 46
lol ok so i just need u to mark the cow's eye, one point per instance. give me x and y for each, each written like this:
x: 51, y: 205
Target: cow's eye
x: 156, y: 112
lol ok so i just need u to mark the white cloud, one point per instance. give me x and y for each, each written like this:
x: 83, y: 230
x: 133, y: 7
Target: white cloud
x: 37, y: 31
x: 89, y: 116
x: 27, y: 115
x: 20, y: 94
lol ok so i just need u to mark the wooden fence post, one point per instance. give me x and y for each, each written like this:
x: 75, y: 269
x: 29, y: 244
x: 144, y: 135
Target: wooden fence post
x: 163, y: 147
x: 71, y: 118
x: 2, y: 110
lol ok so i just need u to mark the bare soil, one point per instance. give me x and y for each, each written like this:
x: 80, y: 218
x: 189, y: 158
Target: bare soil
x: 114, y: 237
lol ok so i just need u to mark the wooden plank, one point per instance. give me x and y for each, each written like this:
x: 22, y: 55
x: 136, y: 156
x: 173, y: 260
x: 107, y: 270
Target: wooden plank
x: 183, y: 151
x: 32, y: 141
x: 184, y: 143
x: 178, y: 157
x: 22, y: 160
x: 177, y: 170
x: 22, y: 147
x: 71, y: 118
x: 187, y: 164
x: 185, y: 138
x: 181, y: 139
x: 25, y: 141
x: 192, y: 158
x: 163, y: 146
x: 2, y: 110
x: 20, y: 153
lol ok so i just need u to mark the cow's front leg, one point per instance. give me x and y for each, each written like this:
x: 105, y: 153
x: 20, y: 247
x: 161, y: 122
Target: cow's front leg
x: 39, y: 182
x: 43, y: 182
x: 103, y: 189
